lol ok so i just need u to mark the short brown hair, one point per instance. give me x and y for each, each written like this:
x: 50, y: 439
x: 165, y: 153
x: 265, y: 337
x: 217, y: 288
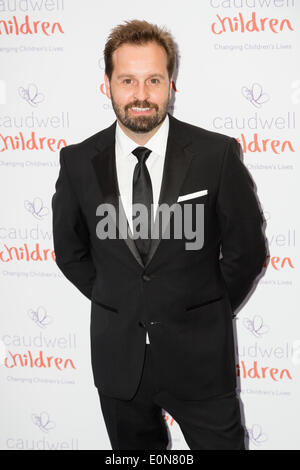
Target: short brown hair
x: 139, y: 32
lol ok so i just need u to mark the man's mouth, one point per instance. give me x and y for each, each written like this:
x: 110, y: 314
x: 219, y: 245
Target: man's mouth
x: 137, y: 110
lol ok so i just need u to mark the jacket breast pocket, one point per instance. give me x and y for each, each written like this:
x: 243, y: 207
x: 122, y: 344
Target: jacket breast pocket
x: 195, y: 200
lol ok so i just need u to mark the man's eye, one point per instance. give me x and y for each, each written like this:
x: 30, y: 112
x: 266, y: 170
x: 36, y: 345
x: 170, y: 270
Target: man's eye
x: 154, y: 81
x: 127, y: 81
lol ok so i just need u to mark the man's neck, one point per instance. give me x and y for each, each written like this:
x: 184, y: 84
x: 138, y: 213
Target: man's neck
x: 140, y: 138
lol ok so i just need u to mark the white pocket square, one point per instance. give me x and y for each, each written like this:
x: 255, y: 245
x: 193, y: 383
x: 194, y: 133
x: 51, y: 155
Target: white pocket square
x: 192, y: 195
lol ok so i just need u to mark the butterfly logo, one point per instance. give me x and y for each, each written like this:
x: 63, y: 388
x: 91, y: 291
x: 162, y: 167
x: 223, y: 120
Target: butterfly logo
x: 255, y: 95
x: 256, y: 326
x: 256, y: 435
x: 31, y: 95
x: 36, y: 208
x: 43, y: 422
x: 40, y: 317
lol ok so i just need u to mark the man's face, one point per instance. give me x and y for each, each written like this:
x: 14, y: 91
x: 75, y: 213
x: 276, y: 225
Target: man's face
x: 140, y: 88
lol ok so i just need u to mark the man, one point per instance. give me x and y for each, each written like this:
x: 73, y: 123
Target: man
x: 161, y: 312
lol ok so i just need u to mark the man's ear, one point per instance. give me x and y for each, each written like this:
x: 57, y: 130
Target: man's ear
x: 107, y: 86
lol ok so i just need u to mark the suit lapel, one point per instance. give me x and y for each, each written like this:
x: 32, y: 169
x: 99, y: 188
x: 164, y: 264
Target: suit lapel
x: 104, y: 164
x: 177, y: 161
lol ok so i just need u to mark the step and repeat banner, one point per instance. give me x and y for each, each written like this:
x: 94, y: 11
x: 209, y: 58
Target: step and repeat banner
x: 238, y: 74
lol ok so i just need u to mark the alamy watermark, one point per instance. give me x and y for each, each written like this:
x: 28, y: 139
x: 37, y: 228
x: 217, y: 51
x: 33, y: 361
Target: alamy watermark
x: 188, y: 222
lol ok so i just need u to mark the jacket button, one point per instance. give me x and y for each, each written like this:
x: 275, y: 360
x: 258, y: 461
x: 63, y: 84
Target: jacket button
x: 145, y: 277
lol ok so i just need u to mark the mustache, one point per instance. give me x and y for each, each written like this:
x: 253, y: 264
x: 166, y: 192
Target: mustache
x: 141, y: 104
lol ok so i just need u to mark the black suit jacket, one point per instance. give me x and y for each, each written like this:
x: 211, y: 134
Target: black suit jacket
x: 185, y: 299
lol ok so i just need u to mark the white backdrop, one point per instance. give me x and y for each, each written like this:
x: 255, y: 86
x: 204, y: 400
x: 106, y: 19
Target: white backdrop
x: 241, y: 79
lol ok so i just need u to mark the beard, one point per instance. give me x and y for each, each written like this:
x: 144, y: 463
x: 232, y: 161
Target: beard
x: 141, y: 124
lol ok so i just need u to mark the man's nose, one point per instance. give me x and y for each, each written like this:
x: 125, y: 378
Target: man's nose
x: 141, y: 92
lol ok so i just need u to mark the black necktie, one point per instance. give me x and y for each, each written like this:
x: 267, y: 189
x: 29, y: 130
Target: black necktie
x: 142, y: 194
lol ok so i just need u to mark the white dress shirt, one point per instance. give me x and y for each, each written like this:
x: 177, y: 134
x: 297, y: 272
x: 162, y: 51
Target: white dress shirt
x: 126, y: 162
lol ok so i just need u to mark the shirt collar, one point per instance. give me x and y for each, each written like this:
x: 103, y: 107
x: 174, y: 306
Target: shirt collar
x: 156, y: 144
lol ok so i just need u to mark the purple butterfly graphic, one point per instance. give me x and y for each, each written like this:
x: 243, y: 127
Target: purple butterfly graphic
x: 256, y: 326
x: 36, y: 208
x: 43, y: 422
x: 31, y: 95
x: 255, y: 95
x: 40, y: 317
x: 256, y: 435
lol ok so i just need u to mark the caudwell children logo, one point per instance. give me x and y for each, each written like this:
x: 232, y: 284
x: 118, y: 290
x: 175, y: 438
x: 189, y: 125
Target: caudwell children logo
x: 256, y: 326
x: 44, y: 425
x: 29, y: 26
x: 243, y: 24
x: 43, y: 422
x: 38, y: 360
x: 31, y: 95
x: 40, y: 317
x: 36, y: 208
x: 255, y: 95
x: 258, y: 143
x: 256, y: 435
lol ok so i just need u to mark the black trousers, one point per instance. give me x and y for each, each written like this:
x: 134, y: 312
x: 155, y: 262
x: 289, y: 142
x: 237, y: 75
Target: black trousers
x: 138, y: 424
